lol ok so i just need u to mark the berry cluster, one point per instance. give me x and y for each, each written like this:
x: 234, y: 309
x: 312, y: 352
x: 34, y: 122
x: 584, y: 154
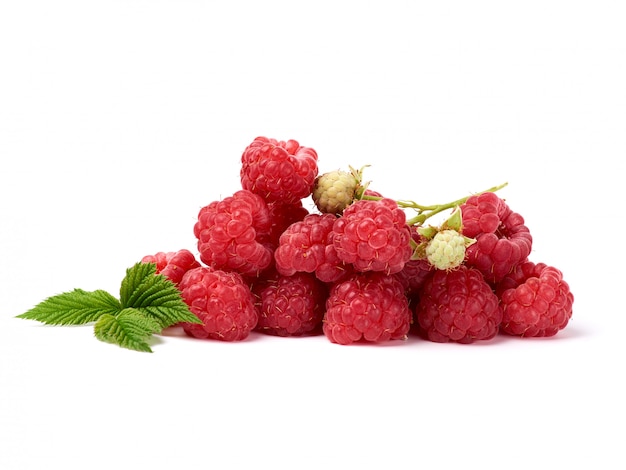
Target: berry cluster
x: 357, y: 268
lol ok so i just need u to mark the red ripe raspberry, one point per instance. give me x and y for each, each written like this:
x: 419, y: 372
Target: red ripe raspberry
x: 415, y: 271
x: 222, y: 301
x: 367, y: 307
x: 517, y: 276
x: 282, y: 216
x: 458, y: 306
x: 502, y: 239
x: 160, y: 259
x: 373, y: 236
x: 539, y: 305
x: 371, y: 192
x: 173, y: 264
x: 414, y: 274
x: 333, y: 269
x: 279, y: 171
x: 230, y: 234
x: 290, y: 305
x: 306, y: 246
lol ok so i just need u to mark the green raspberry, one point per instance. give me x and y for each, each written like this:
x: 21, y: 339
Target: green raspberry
x: 446, y: 250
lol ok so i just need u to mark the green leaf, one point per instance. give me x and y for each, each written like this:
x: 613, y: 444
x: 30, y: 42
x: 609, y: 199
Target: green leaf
x: 129, y: 329
x: 170, y: 315
x: 74, y: 308
x: 148, y: 303
x: 131, y: 286
x: 155, y: 296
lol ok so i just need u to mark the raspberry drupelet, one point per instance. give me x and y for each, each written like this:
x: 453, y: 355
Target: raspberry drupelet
x: 278, y: 171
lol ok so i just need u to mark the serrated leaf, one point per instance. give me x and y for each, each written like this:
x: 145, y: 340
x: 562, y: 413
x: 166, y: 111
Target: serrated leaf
x: 168, y: 316
x: 76, y: 307
x: 155, y: 296
x: 129, y: 329
x: 131, y: 286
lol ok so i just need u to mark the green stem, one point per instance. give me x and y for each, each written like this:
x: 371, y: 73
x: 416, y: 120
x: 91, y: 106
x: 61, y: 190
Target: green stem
x: 425, y: 212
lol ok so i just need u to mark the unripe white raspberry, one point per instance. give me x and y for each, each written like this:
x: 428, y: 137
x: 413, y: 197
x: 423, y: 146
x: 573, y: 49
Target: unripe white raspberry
x: 446, y: 250
x: 334, y: 191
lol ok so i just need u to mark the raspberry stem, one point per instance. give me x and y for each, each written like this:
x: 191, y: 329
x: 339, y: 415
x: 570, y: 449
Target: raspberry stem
x: 426, y: 212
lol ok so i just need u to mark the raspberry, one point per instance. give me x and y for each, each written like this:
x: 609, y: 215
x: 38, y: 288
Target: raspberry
x: 230, y: 234
x: 367, y: 307
x: 517, y: 276
x: 306, y: 246
x: 278, y: 171
x: 414, y: 274
x: 446, y: 250
x: 173, y: 264
x: 282, y: 216
x: 222, y: 301
x: 539, y: 305
x: 373, y: 235
x: 290, y: 305
x: 160, y: 259
x: 458, y: 306
x: 415, y: 271
x: 371, y: 192
x: 332, y: 269
x: 502, y: 239
x: 334, y: 191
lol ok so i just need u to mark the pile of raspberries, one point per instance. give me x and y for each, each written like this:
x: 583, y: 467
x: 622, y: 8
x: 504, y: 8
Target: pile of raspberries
x: 356, y: 268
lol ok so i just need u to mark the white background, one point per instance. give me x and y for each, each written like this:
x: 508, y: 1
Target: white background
x: 120, y: 119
